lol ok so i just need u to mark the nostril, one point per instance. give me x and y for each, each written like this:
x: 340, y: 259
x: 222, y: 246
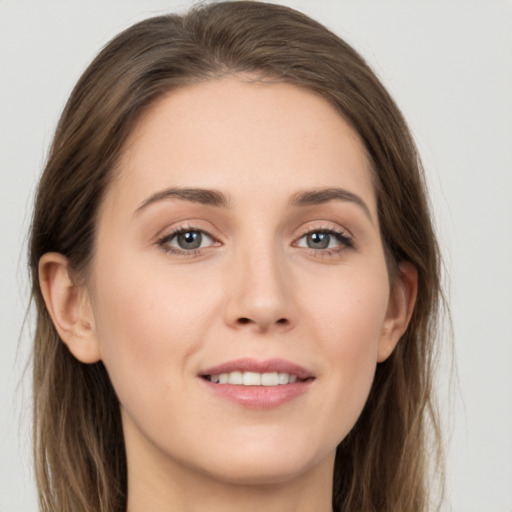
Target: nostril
x: 264, y: 325
x: 245, y: 321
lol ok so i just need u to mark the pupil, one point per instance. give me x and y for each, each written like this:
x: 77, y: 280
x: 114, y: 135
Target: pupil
x: 318, y: 240
x: 189, y: 240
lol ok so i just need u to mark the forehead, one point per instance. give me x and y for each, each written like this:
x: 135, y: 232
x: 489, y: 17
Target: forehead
x: 238, y: 135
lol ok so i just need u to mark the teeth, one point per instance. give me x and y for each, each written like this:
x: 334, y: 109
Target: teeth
x: 235, y: 378
x: 269, y: 379
x: 254, y: 378
x: 283, y: 378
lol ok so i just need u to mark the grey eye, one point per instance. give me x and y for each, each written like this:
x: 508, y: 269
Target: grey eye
x: 322, y: 239
x: 318, y: 240
x: 189, y: 239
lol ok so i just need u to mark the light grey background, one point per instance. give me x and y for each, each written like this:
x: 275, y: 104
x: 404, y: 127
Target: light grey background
x: 449, y: 66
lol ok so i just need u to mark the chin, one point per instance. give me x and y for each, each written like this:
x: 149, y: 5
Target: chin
x: 268, y: 473
x: 267, y: 468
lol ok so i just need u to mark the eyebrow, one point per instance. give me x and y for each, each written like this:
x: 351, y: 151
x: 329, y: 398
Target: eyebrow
x: 216, y: 198
x: 325, y: 195
x: 194, y: 195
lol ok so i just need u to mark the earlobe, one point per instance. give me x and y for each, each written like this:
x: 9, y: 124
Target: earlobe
x: 69, y: 307
x: 401, y: 306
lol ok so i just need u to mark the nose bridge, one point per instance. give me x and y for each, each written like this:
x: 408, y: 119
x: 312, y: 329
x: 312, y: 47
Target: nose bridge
x: 259, y: 294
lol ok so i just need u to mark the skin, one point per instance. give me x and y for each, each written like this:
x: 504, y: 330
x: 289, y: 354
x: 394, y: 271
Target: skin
x: 254, y: 289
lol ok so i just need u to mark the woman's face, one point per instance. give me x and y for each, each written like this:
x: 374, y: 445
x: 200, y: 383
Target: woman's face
x: 238, y: 251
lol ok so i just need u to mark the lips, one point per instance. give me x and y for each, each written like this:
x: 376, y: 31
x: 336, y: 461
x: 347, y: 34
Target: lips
x: 258, y: 384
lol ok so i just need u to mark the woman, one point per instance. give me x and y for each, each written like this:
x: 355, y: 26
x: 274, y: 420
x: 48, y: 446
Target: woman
x: 236, y: 277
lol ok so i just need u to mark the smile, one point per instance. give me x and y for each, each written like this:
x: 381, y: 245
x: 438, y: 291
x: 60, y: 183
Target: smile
x: 253, y: 378
x: 256, y: 384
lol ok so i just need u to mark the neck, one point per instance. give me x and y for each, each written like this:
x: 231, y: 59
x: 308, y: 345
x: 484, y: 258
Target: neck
x: 222, y: 498
x: 206, y: 494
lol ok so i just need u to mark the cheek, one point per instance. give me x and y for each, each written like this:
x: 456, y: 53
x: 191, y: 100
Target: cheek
x: 147, y: 324
x: 347, y: 324
x: 348, y: 310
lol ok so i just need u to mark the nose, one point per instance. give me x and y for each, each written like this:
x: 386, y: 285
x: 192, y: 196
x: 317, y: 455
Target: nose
x: 260, y: 291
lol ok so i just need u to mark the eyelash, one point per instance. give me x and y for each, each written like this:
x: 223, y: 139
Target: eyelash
x: 163, y: 242
x: 346, y: 241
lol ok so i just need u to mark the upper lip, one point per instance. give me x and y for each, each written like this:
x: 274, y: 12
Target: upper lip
x: 258, y: 366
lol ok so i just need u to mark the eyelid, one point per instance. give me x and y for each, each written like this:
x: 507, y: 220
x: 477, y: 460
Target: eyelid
x: 175, y: 234
x: 344, y: 236
x: 163, y: 240
x: 327, y: 226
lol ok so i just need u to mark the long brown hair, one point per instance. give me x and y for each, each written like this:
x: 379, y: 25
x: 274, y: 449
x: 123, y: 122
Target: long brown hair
x: 382, y: 465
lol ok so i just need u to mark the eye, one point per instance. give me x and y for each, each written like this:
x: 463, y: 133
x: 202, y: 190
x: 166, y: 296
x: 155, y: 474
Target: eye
x: 186, y: 240
x: 322, y: 239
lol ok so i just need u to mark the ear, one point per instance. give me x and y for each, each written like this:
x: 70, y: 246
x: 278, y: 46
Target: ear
x: 69, y: 307
x: 401, y: 305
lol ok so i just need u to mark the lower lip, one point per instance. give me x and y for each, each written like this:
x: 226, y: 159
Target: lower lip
x: 259, y: 397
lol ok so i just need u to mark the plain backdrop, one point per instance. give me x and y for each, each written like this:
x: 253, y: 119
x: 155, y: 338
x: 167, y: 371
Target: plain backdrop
x: 449, y: 66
